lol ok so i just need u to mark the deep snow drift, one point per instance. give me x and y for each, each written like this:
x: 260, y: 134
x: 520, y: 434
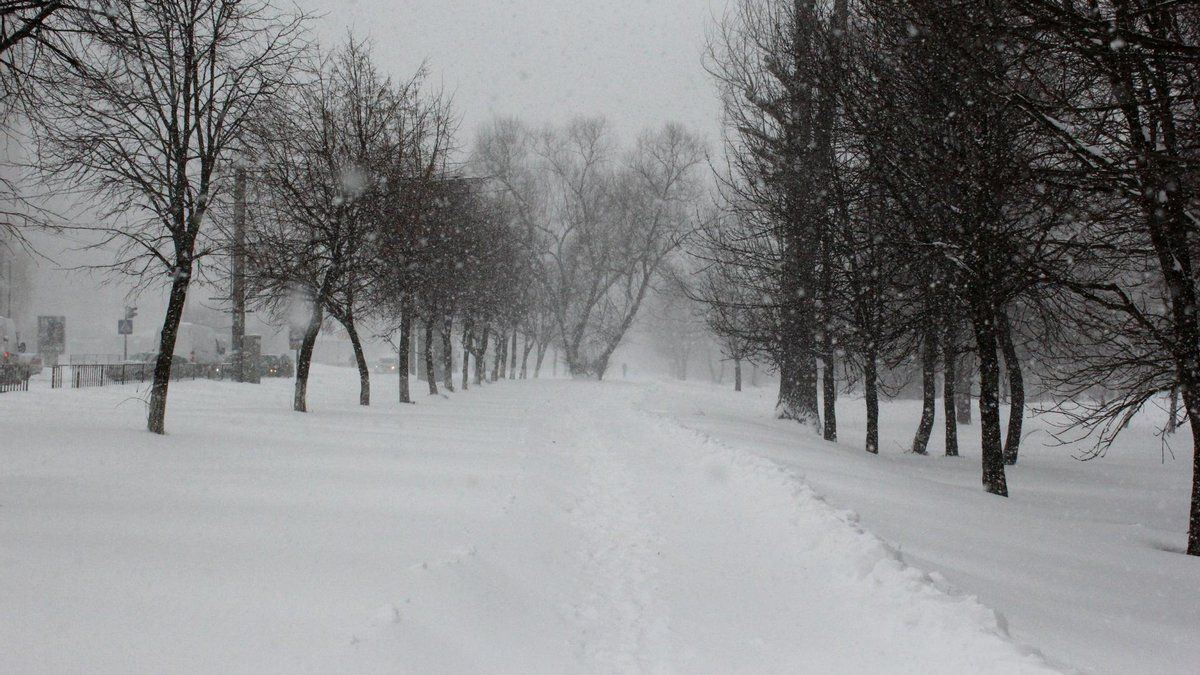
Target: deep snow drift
x: 540, y: 526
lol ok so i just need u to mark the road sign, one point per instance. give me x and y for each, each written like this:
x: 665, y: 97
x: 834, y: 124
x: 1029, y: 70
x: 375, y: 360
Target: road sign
x: 124, y: 326
x: 295, y: 337
x: 52, y: 334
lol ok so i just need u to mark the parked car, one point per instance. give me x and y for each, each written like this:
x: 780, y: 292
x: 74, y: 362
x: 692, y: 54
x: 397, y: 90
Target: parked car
x: 11, y: 374
x: 223, y: 370
x: 275, y: 365
x: 9, y: 347
x: 387, y: 365
x: 31, y: 361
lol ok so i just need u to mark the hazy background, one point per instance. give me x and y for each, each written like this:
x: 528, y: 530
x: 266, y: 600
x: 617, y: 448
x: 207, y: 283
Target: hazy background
x: 636, y: 62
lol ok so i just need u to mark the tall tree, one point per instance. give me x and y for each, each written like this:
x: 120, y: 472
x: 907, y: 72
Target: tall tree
x: 1117, y: 107
x: 140, y: 106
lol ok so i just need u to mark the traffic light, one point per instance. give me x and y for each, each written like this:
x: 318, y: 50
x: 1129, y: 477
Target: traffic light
x: 130, y: 312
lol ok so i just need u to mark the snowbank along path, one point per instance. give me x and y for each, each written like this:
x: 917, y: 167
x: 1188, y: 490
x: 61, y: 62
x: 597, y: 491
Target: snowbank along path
x: 547, y: 526
x: 699, y: 558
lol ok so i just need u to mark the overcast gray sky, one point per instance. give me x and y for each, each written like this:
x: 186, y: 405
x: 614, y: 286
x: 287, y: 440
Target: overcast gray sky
x: 638, y: 62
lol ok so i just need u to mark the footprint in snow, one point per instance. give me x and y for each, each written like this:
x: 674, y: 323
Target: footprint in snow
x: 382, y: 619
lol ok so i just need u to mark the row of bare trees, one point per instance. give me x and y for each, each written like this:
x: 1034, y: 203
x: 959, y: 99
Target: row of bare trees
x: 160, y: 114
x: 364, y: 217
x: 342, y: 167
x: 150, y: 112
x: 597, y: 224
x: 984, y: 184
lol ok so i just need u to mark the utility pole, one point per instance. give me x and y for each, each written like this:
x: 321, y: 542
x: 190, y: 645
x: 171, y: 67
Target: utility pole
x: 8, y: 279
x: 238, y: 291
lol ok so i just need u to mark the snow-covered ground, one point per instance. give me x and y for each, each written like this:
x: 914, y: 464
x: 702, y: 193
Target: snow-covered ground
x: 557, y: 526
x: 1084, y: 559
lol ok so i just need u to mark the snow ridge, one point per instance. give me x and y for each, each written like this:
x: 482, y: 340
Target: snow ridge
x: 899, y: 602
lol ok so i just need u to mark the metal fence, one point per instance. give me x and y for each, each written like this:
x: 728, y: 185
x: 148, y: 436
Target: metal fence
x: 13, y: 377
x: 79, y: 376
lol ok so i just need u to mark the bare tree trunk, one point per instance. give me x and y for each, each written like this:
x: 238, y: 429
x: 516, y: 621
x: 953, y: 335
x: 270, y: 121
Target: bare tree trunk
x: 360, y: 359
x: 512, y: 367
x: 415, y: 336
x: 983, y: 320
x: 430, y: 373
x: 1191, y: 403
x: 829, y: 392
x: 949, y: 377
x: 466, y: 373
x: 500, y: 357
x: 480, y: 355
x: 447, y: 353
x: 1016, y: 388
x: 871, y: 394
x: 798, y: 388
x: 929, y: 347
x: 962, y: 390
x: 541, y: 354
x: 468, y: 341
x: 157, y: 420
x: 1173, y: 410
x: 405, y: 362
x: 304, y: 358
x: 601, y: 365
x: 525, y: 357
x: 797, y: 365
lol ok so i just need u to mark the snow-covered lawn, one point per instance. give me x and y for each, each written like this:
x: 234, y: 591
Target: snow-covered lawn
x: 1084, y: 559
x: 557, y: 526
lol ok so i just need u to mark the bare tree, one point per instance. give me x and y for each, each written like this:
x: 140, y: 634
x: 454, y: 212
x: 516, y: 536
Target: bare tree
x: 140, y: 107
x: 599, y: 226
x: 342, y: 163
x: 774, y: 63
x: 1116, y: 107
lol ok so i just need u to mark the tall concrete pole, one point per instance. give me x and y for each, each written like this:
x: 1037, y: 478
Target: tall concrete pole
x: 238, y: 291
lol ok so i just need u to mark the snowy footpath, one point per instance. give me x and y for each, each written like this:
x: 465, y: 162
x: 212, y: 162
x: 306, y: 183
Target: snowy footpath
x: 546, y: 526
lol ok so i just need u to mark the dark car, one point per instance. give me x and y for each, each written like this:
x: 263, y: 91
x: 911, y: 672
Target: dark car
x: 271, y: 365
x: 387, y: 365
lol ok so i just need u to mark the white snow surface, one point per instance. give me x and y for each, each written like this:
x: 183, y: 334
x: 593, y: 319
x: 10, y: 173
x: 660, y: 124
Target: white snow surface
x: 535, y: 526
x: 1084, y: 559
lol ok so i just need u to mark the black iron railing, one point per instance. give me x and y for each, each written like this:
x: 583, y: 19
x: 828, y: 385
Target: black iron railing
x: 13, y: 377
x: 79, y: 376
